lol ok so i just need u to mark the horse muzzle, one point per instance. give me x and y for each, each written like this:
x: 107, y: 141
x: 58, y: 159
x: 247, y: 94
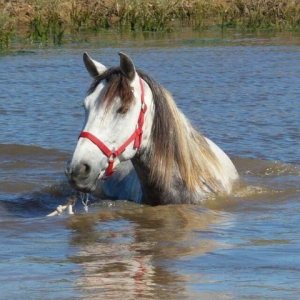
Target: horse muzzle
x: 81, y: 177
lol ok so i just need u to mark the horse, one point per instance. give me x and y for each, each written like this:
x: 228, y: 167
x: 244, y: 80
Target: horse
x: 137, y: 145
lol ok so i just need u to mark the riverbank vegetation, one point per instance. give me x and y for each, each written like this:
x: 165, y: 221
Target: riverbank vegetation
x: 44, y: 20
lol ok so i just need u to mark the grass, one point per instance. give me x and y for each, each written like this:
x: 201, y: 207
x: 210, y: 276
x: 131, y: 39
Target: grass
x: 46, y: 23
x: 6, y: 30
x: 264, y: 14
x: 48, y: 20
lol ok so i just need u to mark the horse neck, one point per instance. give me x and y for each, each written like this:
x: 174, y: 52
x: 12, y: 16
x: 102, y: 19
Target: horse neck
x: 153, y: 192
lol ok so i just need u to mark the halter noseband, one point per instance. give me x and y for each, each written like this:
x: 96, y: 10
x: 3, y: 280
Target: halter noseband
x: 136, y: 137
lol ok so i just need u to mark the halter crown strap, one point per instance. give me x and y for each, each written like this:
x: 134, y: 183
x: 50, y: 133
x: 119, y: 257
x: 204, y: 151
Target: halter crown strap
x: 136, y: 137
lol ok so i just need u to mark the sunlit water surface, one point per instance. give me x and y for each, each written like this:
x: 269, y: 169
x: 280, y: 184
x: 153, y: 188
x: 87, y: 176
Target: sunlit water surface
x: 242, y: 91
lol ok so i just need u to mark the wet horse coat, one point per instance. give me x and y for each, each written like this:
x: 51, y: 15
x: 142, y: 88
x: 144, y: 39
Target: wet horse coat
x: 171, y: 162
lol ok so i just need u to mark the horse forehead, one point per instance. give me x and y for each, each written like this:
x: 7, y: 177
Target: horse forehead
x: 97, y: 93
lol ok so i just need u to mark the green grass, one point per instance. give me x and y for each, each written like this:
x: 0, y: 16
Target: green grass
x: 46, y: 23
x: 6, y: 30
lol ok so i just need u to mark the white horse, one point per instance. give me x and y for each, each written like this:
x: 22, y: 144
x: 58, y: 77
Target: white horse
x: 128, y: 116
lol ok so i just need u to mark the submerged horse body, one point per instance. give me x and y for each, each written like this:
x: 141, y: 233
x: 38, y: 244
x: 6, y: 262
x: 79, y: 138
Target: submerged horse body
x: 132, y: 126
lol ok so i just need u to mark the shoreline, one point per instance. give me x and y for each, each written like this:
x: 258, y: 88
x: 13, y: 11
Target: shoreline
x: 42, y: 20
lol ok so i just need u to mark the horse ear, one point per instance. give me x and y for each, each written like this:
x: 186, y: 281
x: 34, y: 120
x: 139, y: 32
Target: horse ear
x: 93, y: 67
x: 127, y: 67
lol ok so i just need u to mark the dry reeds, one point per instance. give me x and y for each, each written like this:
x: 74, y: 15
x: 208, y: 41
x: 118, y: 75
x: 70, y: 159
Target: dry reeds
x: 264, y: 14
x: 49, y: 19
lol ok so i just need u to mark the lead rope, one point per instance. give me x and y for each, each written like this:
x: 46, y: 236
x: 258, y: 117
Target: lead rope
x: 85, y: 201
x: 69, y: 205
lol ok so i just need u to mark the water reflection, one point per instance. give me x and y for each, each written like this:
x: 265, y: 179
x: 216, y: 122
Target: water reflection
x: 129, y: 253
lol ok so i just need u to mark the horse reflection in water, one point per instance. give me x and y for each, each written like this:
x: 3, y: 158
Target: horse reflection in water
x: 130, y: 117
x: 128, y: 253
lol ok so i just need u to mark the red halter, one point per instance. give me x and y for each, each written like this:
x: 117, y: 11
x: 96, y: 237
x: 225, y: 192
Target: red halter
x: 136, y: 137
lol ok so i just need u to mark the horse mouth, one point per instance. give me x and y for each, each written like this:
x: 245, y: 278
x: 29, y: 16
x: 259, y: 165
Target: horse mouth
x: 83, y: 188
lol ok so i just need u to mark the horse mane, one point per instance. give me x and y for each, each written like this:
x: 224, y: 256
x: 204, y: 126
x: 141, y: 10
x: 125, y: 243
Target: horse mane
x: 175, y: 142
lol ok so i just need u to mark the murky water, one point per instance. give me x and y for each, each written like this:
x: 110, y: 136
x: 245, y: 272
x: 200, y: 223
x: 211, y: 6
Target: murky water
x: 242, y: 91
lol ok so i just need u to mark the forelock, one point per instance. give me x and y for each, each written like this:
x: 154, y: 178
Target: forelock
x: 117, y: 85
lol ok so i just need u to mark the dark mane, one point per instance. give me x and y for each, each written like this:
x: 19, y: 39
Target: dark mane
x: 174, y: 141
x: 118, y: 86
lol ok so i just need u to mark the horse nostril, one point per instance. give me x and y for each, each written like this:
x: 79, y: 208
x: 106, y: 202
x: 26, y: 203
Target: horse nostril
x: 85, y: 169
x: 79, y: 172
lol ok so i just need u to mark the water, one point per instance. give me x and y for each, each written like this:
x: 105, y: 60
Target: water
x: 242, y: 91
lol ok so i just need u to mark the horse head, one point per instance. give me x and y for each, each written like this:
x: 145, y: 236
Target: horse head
x: 114, y: 129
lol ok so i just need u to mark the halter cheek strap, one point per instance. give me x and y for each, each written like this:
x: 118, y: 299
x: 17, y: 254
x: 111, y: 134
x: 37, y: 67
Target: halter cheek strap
x: 136, y: 137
